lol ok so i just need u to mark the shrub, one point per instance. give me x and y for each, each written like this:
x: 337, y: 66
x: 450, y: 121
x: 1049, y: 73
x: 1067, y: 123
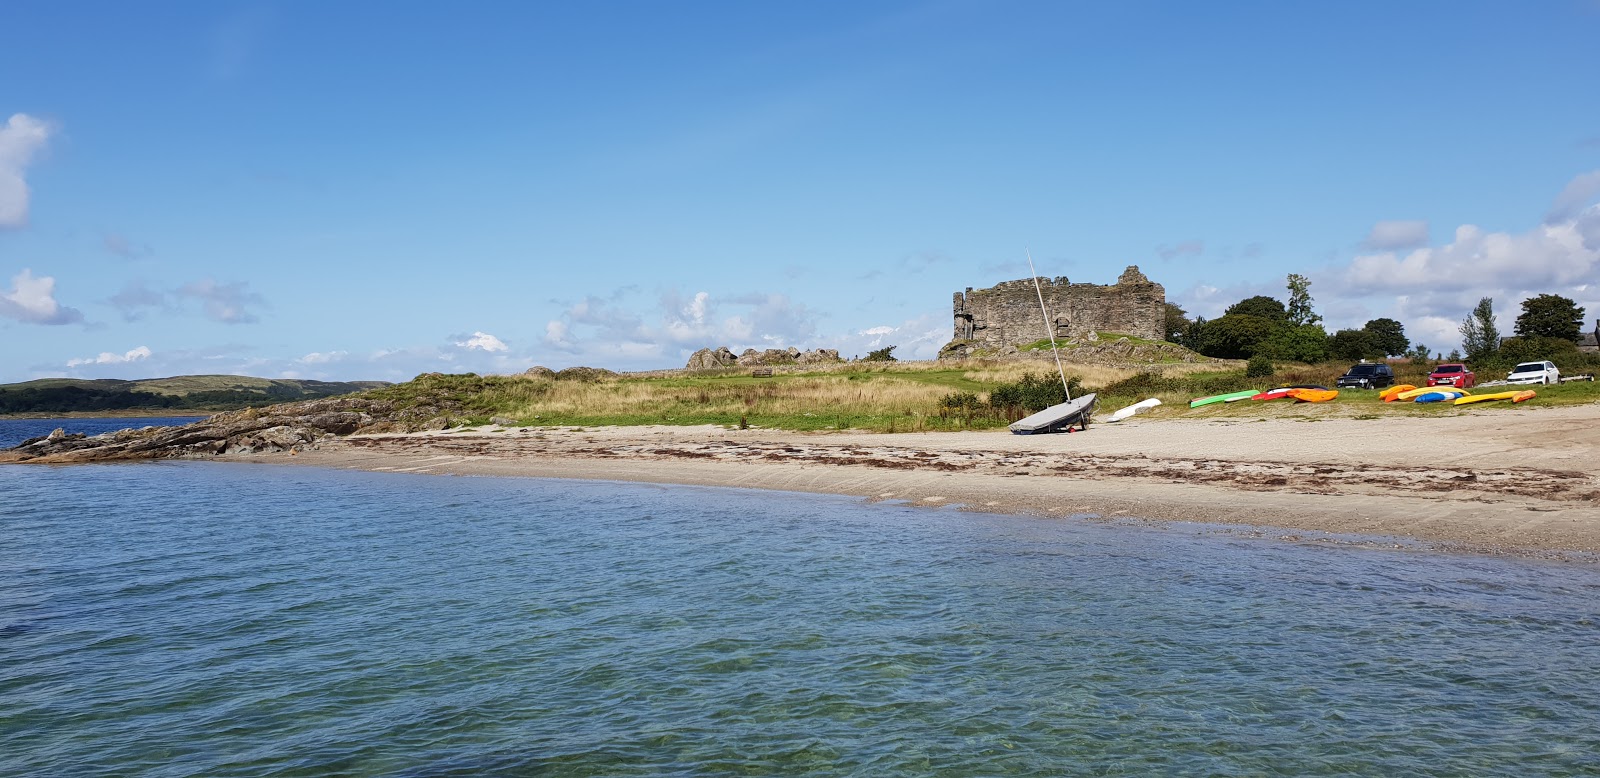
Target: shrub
x: 1031, y: 394
x: 881, y: 355
x: 1259, y: 366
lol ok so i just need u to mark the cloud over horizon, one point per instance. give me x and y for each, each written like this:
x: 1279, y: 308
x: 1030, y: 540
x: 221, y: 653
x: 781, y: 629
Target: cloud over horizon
x: 107, y: 358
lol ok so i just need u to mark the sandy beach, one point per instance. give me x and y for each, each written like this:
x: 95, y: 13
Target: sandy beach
x: 1495, y: 481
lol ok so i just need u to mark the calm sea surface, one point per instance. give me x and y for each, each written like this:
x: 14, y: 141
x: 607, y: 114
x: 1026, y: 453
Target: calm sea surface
x: 206, y: 619
x: 14, y: 431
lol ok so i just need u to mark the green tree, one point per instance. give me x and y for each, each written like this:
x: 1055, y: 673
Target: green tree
x: 881, y: 355
x: 1389, y: 335
x: 1299, y: 310
x: 1535, y: 348
x: 1479, y: 336
x: 1418, y: 353
x: 1305, y: 343
x: 1234, y: 336
x: 1177, y: 323
x: 1259, y: 366
x: 1353, y: 344
x: 1550, y: 316
x: 1261, y: 305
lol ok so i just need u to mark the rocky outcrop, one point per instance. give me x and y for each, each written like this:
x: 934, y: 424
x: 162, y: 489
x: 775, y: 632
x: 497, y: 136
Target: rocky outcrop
x: 253, y: 430
x: 706, y: 358
x: 539, y: 371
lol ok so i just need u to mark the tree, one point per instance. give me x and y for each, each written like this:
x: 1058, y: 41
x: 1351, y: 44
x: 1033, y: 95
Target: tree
x: 1418, y: 353
x: 1353, y: 344
x: 1550, y: 316
x: 1305, y: 343
x: 1388, y: 335
x: 1479, y: 336
x: 1234, y: 336
x: 1299, y: 311
x: 1261, y: 305
x: 1535, y: 348
x: 881, y: 355
x: 1177, y: 323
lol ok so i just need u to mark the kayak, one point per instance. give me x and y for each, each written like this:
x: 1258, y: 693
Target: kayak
x: 1313, y: 395
x: 1282, y: 392
x: 1222, y: 398
x: 1524, y: 396
x: 1439, y: 396
x: 1389, y: 395
x: 1134, y: 408
x: 1478, y: 398
x: 1412, y: 394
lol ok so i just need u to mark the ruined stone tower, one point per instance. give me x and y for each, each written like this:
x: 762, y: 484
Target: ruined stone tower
x: 1008, y: 313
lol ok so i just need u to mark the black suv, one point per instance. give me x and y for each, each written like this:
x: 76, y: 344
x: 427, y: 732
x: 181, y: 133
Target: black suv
x: 1366, y: 376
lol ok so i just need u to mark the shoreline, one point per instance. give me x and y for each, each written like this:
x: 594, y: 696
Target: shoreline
x: 1502, y: 485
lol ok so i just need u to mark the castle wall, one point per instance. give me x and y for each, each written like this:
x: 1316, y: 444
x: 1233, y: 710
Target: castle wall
x: 1008, y: 313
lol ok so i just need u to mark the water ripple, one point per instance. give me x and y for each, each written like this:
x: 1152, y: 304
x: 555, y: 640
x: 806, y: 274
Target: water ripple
x: 222, y: 620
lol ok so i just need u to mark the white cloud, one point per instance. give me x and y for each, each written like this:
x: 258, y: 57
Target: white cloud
x: 323, y: 357
x: 224, y: 302
x: 482, y: 341
x: 108, y: 358
x: 1431, y: 289
x: 33, y: 300
x: 20, y: 139
x: 1390, y: 235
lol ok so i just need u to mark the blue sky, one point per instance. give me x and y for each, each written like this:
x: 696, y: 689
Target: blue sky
x: 369, y: 191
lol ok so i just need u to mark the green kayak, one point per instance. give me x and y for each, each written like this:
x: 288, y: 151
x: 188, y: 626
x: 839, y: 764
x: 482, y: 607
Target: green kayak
x: 1222, y: 398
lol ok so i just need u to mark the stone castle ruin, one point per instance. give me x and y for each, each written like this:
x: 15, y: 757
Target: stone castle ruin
x: 1007, y: 314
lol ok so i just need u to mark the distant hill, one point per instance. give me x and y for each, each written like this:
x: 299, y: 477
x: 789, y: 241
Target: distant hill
x: 185, y: 392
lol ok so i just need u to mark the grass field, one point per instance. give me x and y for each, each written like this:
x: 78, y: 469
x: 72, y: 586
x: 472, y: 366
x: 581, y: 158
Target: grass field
x: 886, y: 397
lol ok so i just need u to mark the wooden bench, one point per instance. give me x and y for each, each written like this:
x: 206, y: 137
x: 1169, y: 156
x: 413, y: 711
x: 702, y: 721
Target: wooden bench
x: 761, y: 372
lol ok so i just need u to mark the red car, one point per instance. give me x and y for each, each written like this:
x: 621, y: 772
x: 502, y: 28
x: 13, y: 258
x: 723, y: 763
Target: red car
x: 1453, y: 374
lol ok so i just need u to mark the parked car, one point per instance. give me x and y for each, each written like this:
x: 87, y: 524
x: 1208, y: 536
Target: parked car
x: 1534, y: 373
x: 1453, y: 374
x: 1366, y: 376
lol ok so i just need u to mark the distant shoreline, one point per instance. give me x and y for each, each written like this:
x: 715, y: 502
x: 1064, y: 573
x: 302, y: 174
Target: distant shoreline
x: 1517, y: 484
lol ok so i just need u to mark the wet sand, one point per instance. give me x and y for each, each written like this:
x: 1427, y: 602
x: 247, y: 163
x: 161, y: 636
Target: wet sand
x: 1516, y: 483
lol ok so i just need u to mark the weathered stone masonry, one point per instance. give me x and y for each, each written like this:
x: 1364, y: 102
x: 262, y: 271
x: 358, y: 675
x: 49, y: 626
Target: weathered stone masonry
x: 1008, y: 313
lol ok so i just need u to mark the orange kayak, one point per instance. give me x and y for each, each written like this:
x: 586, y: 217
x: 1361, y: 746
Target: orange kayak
x: 1525, y: 396
x: 1393, y: 393
x: 1313, y: 395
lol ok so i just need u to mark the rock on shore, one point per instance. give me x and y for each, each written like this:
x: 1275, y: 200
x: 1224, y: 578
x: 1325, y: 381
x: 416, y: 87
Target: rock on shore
x: 252, y: 430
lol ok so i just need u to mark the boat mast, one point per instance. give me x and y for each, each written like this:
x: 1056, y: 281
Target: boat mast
x: 1049, y: 328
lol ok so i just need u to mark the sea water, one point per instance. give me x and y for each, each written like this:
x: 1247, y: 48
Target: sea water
x: 209, y: 619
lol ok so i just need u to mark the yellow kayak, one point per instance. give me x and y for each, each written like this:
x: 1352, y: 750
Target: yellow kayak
x: 1412, y: 394
x: 1478, y: 398
x: 1387, y: 395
